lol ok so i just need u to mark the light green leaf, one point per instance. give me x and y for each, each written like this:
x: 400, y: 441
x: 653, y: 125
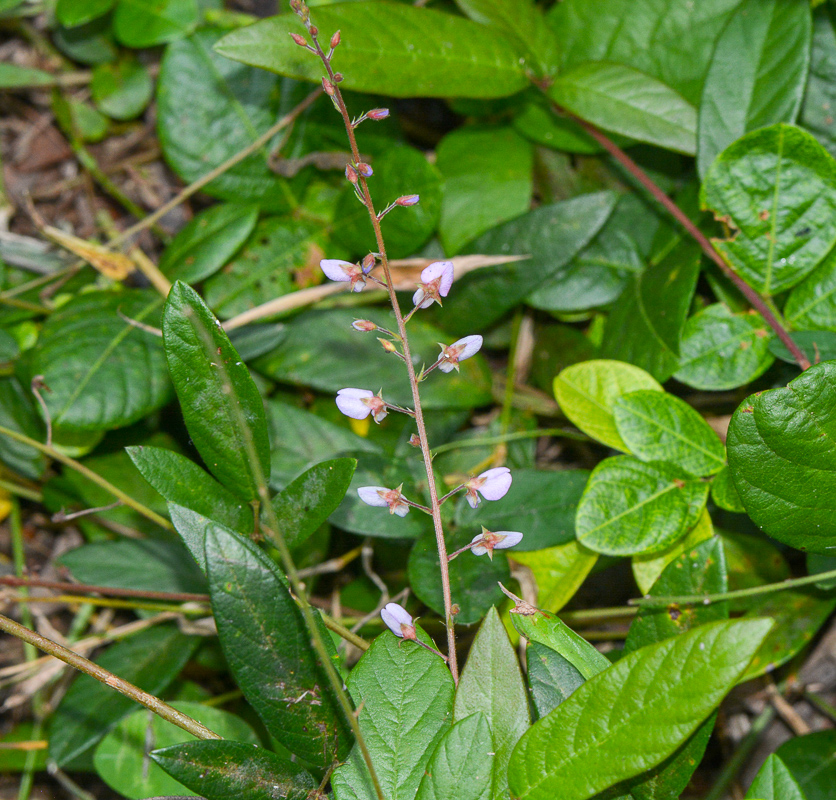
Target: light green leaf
x: 812, y: 304
x: 633, y: 715
x: 775, y: 782
x: 145, y: 23
x: 76, y: 12
x: 587, y: 393
x: 776, y: 188
x: 724, y: 493
x: 13, y: 76
x: 121, y: 90
x: 491, y: 682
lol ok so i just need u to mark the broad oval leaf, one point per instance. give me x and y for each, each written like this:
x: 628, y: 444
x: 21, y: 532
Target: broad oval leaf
x: 631, y: 507
x: 657, y: 426
x: 268, y: 648
x: 391, y: 49
x: 404, y: 695
x: 782, y: 456
x: 587, y: 393
x: 102, y: 372
x: 812, y: 304
x: 633, y: 715
x: 774, y: 781
x: 221, y: 406
x: 776, y: 187
x: 145, y: 23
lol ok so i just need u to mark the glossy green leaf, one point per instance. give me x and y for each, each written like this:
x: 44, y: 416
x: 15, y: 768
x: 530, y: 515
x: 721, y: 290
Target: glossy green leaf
x: 812, y: 304
x: 487, y: 175
x: 390, y: 49
x: 121, y: 90
x: 145, y: 23
x: 809, y: 759
x: 775, y: 782
x: 491, y: 682
x: 551, y: 678
x: 193, y: 529
x: 657, y: 426
x: 558, y: 571
x: 76, y: 12
x: 179, y: 480
x: 816, y: 345
x: 723, y: 350
x: 724, y: 493
x: 798, y: 617
x: 122, y: 758
x: 221, y: 406
x: 267, y: 647
x: 645, y: 325
x: 17, y: 412
x: 307, y: 502
x: 820, y: 94
x: 323, y: 351
x: 209, y: 109
x: 405, y: 699
x: 587, y: 393
x: 552, y: 235
x: 206, y: 243
x: 473, y: 579
x: 539, y: 124
x: 102, y: 372
x: 633, y: 715
x: 461, y: 763
x: 775, y: 188
x: 629, y: 102
x: 757, y: 73
x: 630, y: 507
x: 151, y: 660
x: 155, y: 565
x: 226, y: 770
x: 540, y: 503
x: 782, y: 457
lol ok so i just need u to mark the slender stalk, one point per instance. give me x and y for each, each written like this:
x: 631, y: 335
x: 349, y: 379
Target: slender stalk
x: 754, y: 591
x: 699, y: 237
x: 435, y: 506
x: 92, y: 669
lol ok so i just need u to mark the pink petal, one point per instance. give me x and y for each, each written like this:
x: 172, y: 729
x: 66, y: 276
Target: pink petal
x: 439, y: 269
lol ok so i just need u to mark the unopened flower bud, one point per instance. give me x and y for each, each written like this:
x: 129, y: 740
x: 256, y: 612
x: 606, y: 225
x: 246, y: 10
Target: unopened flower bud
x: 365, y: 169
x: 328, y: 87
x: 338, y: 77
x: 377, y: 114
x: 335, y: 40
x: 388, y: 346
x: 299, y: 39
x: 351, y: 174
x: 407, y: 200
x: 363, y: 325
x: 415, y: 440
x: 314, y: 30
x: 368, y: 262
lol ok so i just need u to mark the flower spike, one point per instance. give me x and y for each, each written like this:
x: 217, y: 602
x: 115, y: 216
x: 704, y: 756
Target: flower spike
x: 492, y: 485
x: 381, y: 497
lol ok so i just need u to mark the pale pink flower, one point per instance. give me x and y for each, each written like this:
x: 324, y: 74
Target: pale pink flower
x: 359, y: 403
x: 398, y: 621
x: 381, y: 496
x: 488, y: 541
x: 452, y: 354
x: 492, y: 484
x: 436, y: 280
x: 342, y: 271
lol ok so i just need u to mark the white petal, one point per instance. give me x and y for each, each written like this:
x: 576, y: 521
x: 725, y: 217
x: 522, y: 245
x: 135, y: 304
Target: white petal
x: 447, y: 366
x: 335, y: 269
x: 394, y: 616
x: 478, y: 550
x: 402, y: 509
x: 350, y: 402
x: 370, y: 495
x: 472, y: 345
x: 510, y: 538
x: 497, y: 483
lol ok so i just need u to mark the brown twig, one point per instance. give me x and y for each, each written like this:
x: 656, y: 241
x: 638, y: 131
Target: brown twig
x: 112, y: 591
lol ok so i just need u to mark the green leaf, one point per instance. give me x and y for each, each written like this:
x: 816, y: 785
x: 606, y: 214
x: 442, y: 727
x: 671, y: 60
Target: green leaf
x: 225, y: 770
x: 461, y: 763
x: 267, y: 646
x: 798, y: 617
x: 630, y: 507
x: 221, y: 406
x: 552, y: 235
x: 389, y: 49
x: 13, y: 76
x: 91, y: 43
x: 17, y: 412
x: 405, y: 699
x: 121, y: 90
x: 122, y: 757
x: 209, y: 109
x: 820, y: 94
x: 206, y: 243
x: 633, y: 715
x: 539, y: 124
x: 775, y: 188
x: 491, y: 682
x: 782, y: 458
x: 76, y: 12
x: 323, y: 351
x: 657, y: 426
x: 557, y: 571
x: 587, y: 393
x: 724, y: 494
x: 551, y: 678
x: 540, y: 503
x: 102, y: 372
x: 145, y: 23
x: 155, y: 565
x: 488, y: 180
x: 816, y: 345
x: 723, y: 350
x: 524, y: 24
x: 304, y: 505
x: 151, y: 660
x: 812, y: 304
x: 179, y: 480
x: 645, y: 325
x: 752, y: 561
x: 757, y: 73
x: 193, y: 529
x: 629, y: 102
x: 473, y: 579
x: 809, y: 759
x: 775, y: 782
